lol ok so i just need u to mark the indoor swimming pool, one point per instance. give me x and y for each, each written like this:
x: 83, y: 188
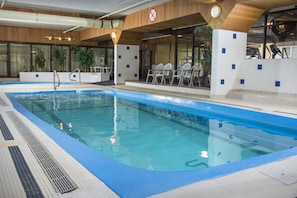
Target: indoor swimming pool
x: 153, y: 138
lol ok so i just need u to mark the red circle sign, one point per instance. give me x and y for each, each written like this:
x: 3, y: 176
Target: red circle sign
x: 153, y: 14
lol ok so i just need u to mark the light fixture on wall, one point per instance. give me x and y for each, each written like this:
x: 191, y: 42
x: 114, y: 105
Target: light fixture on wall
x: 50, y: 38
x: 113, y: 35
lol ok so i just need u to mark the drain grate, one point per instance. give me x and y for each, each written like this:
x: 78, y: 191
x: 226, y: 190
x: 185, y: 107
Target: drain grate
x: 57, y: 176
x: 28, y: 181
x: 4, y: 129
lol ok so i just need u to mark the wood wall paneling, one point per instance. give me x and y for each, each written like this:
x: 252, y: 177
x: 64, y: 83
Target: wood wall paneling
x: 37, y: 35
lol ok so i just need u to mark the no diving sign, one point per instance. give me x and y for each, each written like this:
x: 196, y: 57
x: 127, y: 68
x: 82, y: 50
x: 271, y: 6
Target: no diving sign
x: 152, y: 14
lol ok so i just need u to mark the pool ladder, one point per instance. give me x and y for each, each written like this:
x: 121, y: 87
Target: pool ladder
x: 56, y: 84
x: 79, y: 76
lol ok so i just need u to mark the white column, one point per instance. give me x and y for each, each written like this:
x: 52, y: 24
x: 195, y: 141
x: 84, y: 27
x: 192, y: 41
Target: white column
x: 126, y: 63
x: 228, y: 50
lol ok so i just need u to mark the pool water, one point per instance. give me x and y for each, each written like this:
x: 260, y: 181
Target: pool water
x: 153, y: 135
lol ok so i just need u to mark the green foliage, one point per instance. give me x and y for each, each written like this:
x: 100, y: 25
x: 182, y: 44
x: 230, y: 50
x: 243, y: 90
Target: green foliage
x: 83, y: 56
x: 60, y: 56
x: 204, y: 33
x: 39, y: 59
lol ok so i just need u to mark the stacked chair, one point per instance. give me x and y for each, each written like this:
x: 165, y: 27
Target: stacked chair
x: 151, y: 73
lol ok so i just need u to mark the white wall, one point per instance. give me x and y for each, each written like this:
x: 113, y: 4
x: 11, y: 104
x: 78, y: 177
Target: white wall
x: 126, y: 63
x: 228, y: 50
x: 268, y: 75
x: 232, y: 71
x: 86, y: 77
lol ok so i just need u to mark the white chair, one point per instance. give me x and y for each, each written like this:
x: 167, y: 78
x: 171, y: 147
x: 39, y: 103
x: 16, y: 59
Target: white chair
x: 181, y: 74
x: 197, y: 73
x: 152, y: 72
x: 167, y: 71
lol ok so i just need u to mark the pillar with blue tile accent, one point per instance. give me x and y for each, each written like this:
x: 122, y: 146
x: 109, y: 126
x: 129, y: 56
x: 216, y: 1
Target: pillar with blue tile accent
x: 228, y: 50
x: 126, y: 63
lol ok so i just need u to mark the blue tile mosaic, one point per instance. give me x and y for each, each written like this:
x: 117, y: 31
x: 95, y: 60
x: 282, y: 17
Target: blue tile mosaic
x: 223, y: 50
x: 222, y: 81
x: 233, y: 66
x: 277, y: 83
x: 242, y: 81
x: 234, y: 36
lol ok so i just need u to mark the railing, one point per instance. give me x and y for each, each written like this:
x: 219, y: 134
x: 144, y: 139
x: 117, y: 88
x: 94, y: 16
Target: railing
x: 79, y: 76
x: 54, y: 79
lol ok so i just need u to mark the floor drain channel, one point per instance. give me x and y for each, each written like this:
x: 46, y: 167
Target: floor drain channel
x: 28, y: 181
x: 4, y: 129
x: 57, y: 176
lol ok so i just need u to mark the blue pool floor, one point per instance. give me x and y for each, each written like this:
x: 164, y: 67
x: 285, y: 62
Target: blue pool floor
x: 270, y: 180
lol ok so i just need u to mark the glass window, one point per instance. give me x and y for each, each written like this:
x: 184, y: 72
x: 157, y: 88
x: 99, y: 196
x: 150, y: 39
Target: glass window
x: 281, y: 36
x: 99, y: 57
x: 20, y: 58
x: 60, y: 59
x: 164, y: 53
x: 110, y: 57
x: 45, y: 49
x: 3, y: 59
x: 184, y: 54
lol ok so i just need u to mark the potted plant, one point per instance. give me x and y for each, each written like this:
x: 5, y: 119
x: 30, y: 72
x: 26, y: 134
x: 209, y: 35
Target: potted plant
x: 84, y: 56
x: 60, y: 56
x: 39, y: 59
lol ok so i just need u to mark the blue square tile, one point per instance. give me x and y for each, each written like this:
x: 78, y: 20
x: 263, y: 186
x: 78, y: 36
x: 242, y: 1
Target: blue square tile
x: 120, y: 56
x: 234, y: 36
x: 135, y: 75
x: 259, y: 66
x: 119, y: 75
x: 277, y: 83
x: 223, y: 50
x: 242, y: 81
x: 233, y: 66
x: 128, y: 66
x: 222, y: 81
x: 128, y: 47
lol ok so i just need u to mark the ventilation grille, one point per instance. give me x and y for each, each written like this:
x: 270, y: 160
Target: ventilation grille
x: 4, y: 129
x: 57, y: 176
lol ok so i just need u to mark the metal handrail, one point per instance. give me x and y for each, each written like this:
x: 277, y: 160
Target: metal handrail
x: 79, y: 80
x: 54, y: 79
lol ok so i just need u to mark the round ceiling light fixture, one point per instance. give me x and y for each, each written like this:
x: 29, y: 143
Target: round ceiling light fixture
x: 216, y: 11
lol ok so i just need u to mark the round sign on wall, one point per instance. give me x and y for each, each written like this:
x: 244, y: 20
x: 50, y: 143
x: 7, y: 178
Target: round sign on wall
x: 152, y: 14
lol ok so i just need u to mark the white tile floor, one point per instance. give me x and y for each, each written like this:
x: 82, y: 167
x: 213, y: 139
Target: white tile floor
x: 248, y: 183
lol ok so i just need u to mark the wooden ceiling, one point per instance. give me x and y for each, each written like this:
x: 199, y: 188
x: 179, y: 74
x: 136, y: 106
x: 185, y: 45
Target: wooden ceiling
x: 185, y: 21
x: 196, y: 18
x: 268, y: 4
x: 177, y: 14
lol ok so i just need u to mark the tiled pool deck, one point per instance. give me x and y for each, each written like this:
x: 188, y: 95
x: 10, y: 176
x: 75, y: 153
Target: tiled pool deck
x: 254, y: 182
